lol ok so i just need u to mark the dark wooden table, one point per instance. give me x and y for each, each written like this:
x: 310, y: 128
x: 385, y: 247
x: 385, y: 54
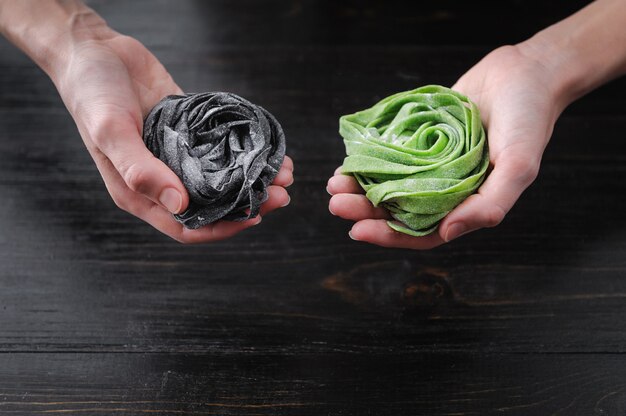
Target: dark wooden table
x: 101, y: 314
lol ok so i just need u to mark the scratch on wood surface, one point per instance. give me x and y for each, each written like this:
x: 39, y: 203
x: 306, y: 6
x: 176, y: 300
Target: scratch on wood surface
x: 601, y: 399
x: 109, y: 410
x: 556, y: 298
x: 524, y: 406
x: 490, y: 317
x: 228, y: 405
x: 569, y: 405
x: 164, y: 378
x: 556, y: 382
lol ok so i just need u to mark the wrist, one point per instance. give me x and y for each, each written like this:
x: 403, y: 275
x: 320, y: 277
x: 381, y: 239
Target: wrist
x: 583, y: 51
x: 79, y: 29
x: 49, y: 31
x: 560, y: 67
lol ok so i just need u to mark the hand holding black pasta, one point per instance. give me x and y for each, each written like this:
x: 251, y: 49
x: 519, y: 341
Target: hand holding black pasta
x: 225, y: 149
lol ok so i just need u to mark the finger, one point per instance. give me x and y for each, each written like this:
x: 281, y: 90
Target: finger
x: 156, y: 216
x: 379, y: 233
x: 159, y: 218
x: 288, y: 163
x: 163, y: 221
x: 355, y: 207
x: 487, y: 208
x: 120, y: 141
x: 277, y: 198
x: 221, y: 230
x: 343, y: 184
x: 284, y: 177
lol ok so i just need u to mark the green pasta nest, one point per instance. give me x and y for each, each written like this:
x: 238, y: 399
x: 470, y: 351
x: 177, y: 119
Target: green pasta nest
x: 418, y: 154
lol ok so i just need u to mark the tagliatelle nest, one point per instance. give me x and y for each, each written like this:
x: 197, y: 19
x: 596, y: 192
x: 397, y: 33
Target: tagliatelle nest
x: 418, y: 154
x: 225, y: 149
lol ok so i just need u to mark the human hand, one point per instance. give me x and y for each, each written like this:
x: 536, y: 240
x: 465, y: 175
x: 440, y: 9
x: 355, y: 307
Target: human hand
x: 519, y: 106
x: 109, y: 85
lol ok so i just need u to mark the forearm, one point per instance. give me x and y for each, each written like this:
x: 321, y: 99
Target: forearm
x: 47, y: 30
x: 584, y: 50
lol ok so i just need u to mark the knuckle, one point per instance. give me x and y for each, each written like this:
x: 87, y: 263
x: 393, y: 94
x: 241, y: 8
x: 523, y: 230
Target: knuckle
x: 100, y: 132
x: 494, y: 215
x: 186, y: 240
x: 525, y: 170
x: 136, y: 177
x: 120, y: 203
x: 184, y: 237
x: 124, y: 203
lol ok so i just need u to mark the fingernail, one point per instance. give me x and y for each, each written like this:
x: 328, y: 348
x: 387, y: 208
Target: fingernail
x: 171, y: 199
x: 328, y: 191
x: 455, y: 231
x: 259, y: 219
x: 330, y: 209
x: 286, y: 203
x: 352, y: 236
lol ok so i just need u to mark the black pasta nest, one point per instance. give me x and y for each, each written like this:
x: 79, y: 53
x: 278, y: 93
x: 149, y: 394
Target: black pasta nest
x: 225, y: 149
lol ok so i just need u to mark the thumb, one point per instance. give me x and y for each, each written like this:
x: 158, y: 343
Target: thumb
x: 512, y: 174
x: 142, y: 172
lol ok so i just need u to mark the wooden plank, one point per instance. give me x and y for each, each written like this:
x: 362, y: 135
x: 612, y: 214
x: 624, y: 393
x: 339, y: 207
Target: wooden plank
x: 434, y: 384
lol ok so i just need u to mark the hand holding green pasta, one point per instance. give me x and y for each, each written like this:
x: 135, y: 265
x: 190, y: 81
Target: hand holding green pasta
x: 519, y: 103
x: 418, y: 154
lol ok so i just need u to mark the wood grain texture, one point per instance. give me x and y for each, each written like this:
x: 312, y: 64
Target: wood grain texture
x: 313, y: 384
x: 101, y: 314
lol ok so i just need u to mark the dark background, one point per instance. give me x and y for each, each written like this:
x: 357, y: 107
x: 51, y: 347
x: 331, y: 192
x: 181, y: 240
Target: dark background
x: 100, y: 313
